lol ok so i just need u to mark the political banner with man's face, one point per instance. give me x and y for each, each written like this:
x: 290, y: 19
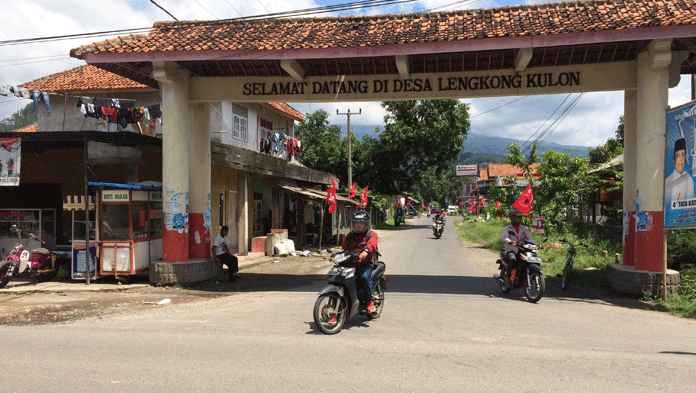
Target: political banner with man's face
x: 680, y: 167
x: 10, y: 157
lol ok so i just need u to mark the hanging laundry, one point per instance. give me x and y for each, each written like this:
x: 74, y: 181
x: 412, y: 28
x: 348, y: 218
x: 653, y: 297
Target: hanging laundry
x: 42, y: 96
x: 155, y: 111
x: 111, y: 114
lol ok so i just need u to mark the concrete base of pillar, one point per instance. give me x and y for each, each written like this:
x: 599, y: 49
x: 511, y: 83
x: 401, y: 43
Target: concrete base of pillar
x: 194, y: 270
x: 626, y: 279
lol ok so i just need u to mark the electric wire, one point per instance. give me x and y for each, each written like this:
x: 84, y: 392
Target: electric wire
x: 283, y: 14
x: 547, y: 119
x: 500, y: 106
x: 553, y: 126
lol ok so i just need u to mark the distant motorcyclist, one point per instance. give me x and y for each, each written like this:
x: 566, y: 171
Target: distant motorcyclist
x: 439, y: 216
x: 364, y: 241
x: 514, y: 234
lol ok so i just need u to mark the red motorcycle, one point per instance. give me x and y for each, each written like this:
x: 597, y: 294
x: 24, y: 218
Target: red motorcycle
x: 38, y: 265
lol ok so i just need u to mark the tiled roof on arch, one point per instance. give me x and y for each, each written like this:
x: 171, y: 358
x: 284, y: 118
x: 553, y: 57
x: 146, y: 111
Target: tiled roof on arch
x: 384, y: 30
x: 82, y: 79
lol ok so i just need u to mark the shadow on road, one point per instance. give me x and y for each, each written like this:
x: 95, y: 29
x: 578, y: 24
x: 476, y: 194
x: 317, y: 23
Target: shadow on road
x: 420, y: 284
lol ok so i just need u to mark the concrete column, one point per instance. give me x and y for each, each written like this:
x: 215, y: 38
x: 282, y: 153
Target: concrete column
x: 629, y: 177
x: 653, y: 81
x: 243, y: 212
x: 174, y: 83
x: 200, y: 181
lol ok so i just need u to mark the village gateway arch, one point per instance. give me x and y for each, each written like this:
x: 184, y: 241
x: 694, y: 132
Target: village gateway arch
x: 639, y: 47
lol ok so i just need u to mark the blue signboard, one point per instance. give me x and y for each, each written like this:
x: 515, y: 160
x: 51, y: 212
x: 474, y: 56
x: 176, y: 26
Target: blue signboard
x: 79, y: 265
x: 680, y: 167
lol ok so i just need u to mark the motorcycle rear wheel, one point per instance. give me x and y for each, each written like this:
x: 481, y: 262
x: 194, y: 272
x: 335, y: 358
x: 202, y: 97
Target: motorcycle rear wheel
x: 378, y: 301
x: 535, y: 288
x: 4, y: 268
x: 328, y: 306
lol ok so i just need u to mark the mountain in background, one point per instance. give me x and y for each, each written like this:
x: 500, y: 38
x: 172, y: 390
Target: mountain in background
x: 482, y: 148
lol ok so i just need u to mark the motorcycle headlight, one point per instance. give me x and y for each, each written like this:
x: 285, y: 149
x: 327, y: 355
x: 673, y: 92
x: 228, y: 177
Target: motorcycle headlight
x: 346, y: 272
x: 338, y: 258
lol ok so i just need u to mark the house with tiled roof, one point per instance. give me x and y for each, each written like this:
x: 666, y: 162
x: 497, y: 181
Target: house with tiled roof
x: 640, y: 47
x: 498, y: 175
x: 131, y: 152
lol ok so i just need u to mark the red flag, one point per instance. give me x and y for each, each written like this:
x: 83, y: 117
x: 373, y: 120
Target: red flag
x: 497, y: 205
x: 398, y: 202
x: 473, y: 206
x: 331, y: 196
x: 363, y: 198
x: 352, y: 192
x: 423, y: 206
x: 525, y: 202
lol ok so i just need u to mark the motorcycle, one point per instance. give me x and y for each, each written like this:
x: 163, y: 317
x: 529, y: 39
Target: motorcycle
x: 339, y: 301
x: 38, y: 265
x: 438, y: 226
x: 528, y: 273
x: 399, y: 216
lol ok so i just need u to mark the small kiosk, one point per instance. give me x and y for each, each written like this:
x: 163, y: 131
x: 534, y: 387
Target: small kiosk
x: 129, y: 229
x: 78, y: 256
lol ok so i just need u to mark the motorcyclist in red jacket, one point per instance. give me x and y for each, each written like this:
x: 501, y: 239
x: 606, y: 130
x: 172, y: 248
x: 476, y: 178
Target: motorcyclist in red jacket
x: 364, y: 241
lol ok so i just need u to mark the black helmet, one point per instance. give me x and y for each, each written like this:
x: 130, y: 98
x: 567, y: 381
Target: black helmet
x: 360, y: 217
x: 515, y: 213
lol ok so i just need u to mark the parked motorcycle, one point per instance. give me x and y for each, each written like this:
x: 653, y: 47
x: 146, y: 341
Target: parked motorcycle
x: 38, y: 265
x: 528, y: 273
x: 339, y: 301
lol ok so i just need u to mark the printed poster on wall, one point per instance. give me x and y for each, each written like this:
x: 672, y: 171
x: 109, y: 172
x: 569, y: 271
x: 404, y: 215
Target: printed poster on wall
x: 10, y: 157
x: 680, y: 167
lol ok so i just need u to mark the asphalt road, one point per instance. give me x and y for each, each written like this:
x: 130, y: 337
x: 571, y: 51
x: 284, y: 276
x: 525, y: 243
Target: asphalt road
x: 445, y: 327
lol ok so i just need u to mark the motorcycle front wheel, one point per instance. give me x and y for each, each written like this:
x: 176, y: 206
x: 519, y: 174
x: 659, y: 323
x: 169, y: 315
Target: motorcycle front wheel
x: 4, y: 269
x: 567, y: 273
x: 378, y: 301
x: 330, y: 313
x: 535, y: 287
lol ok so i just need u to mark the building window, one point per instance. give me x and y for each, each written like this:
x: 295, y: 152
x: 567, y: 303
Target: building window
x: 239, y: 122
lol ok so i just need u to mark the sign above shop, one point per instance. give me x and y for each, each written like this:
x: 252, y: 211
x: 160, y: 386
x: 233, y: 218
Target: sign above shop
x: 115, y: 196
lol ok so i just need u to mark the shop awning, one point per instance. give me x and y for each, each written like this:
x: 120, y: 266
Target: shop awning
x: 77, y: 202
x: 316, y: 194
x: 147, y: 186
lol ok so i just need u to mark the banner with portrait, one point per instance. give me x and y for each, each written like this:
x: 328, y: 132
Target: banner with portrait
x: 680, y: 167
x: 10, y: 155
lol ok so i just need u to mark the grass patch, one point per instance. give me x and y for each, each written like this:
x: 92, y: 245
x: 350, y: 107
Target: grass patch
x: 590, y: 263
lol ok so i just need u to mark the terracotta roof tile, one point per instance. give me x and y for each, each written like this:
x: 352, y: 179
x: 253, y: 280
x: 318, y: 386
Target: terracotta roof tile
x: 357, y: 31
x: 283, y: 109
x: 83, y: 79
x: 496, y: 170
x: 30, y: 128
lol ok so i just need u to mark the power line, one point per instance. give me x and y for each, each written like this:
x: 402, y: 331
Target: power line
x: 498, y: 107
x: 162, y: 8
x: 556, y: 122
x: 547, y: 119
x: 284, y: 14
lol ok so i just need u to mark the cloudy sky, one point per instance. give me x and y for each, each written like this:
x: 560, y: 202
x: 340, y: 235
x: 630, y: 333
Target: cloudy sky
x: 592, y: 120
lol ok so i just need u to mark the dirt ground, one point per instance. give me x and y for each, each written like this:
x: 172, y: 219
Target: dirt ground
x: 40, y: 308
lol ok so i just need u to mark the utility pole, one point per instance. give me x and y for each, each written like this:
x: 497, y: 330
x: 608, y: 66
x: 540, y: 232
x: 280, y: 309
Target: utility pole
x: 350, y: 163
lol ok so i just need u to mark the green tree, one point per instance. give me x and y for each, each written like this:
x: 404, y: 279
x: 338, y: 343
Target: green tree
x: 322, y: 146
x: 19, y: 119
x: 417, y: 135
x: 440, y: 187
